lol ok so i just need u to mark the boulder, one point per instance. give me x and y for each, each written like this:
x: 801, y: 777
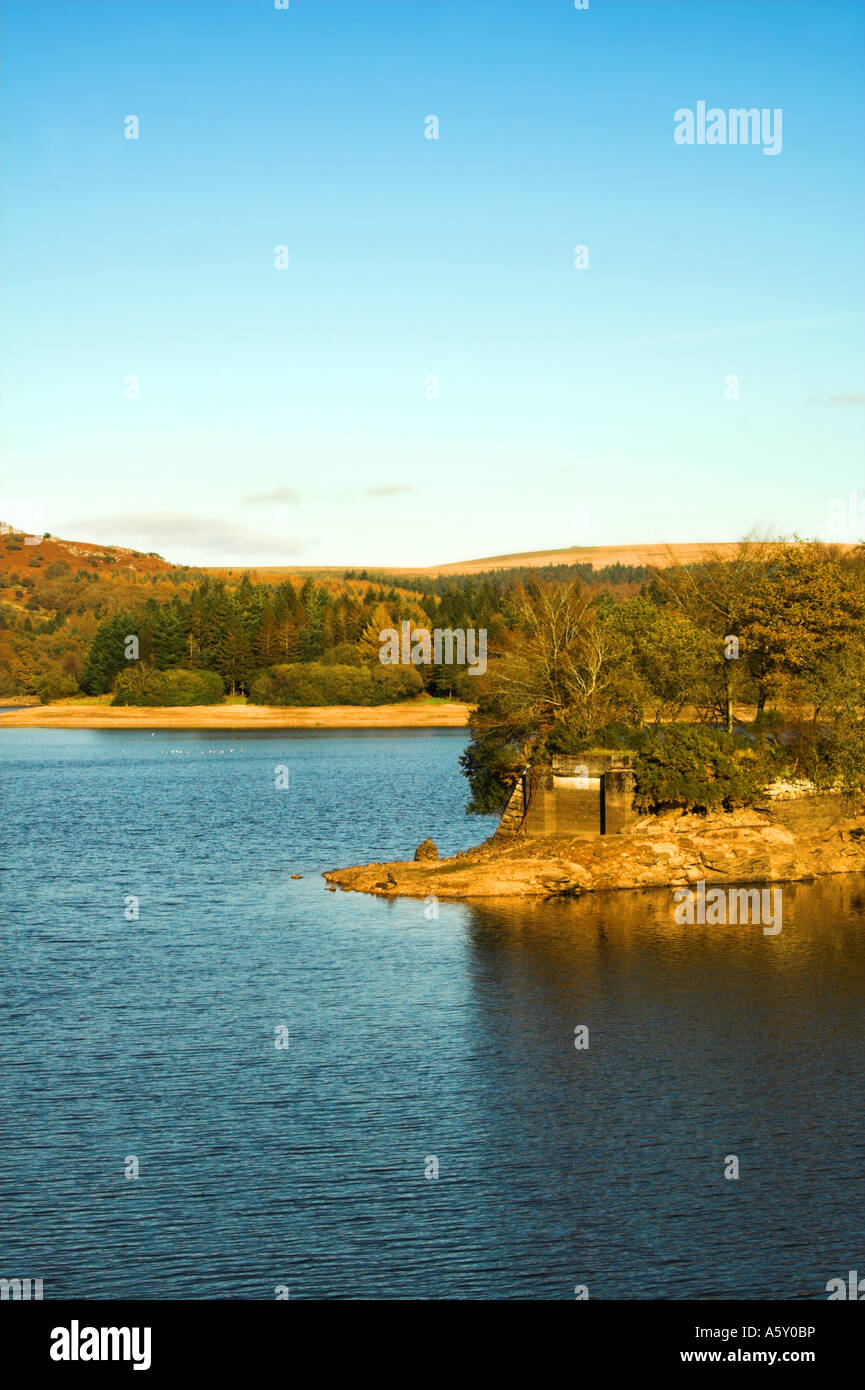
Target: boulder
x: 426, y: 850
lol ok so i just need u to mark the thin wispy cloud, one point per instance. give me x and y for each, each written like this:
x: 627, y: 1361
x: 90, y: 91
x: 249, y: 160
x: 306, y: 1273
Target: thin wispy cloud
x: 847, y: 398
x: 277, y: 494
x: 287, y: 494
x: 164, y: 530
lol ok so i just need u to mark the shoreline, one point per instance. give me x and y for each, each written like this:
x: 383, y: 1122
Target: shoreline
x: 453, y: 715
x: 769, y: 845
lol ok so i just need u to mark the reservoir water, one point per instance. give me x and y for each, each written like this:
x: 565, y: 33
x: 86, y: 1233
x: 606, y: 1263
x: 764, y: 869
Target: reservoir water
x: 413, y: 1044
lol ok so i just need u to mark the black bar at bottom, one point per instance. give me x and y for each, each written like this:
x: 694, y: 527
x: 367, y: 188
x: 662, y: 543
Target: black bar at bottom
x: 163, y: 1340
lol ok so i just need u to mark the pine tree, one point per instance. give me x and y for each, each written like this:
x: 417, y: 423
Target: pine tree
x: 237, y: 661
x: 370, y: 642
x: 107, y: 655
x: 287, y: 637
x: 266, y: 643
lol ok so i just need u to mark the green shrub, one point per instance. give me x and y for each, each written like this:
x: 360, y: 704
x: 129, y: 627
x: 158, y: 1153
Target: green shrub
x: 457, y: 683
x: 182, y: 687
x: 320, y: 683
x: 563, y: 737
x: 831, y: 755
x: 695, y: 769
x: 492, y: 767
x: 141, y: 685
x: 262, y: 689
x: 343, y: 654
x: 395, y: 683
x: 312, y: 683
x: 55, y: 685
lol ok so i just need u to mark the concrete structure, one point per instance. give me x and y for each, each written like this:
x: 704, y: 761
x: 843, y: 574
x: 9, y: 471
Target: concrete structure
x: 583, y: 794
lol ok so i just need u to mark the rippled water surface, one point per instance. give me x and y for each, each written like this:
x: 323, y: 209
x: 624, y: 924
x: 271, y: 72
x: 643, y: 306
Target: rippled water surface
x: 409, y: 1039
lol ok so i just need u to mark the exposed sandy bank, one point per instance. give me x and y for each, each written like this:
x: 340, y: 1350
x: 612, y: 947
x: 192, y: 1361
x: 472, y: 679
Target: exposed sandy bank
x: 95, y: 716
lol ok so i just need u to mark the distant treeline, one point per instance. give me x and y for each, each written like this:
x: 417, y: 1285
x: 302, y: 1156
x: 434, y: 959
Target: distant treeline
x: 316, y: 643
x: 573, y: 651
x: 59, y: 628
x: 501, y: 581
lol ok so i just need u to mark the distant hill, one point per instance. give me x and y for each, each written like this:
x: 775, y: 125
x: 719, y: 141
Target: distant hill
x: 598, y: 556
x: 16, y: 546
x: 57, y: 594
x: 82, y: 555
x: 61, y: 597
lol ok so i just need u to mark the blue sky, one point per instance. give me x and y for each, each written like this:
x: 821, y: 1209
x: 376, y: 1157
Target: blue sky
x: 283, y: 415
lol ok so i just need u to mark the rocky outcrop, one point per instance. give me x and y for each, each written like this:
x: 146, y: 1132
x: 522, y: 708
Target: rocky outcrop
x: 426, y: 850
x: 753, y: 846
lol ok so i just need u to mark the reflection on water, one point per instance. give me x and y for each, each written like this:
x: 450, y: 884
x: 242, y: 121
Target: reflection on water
x: 703, y: 1042
x: 409, y: 1038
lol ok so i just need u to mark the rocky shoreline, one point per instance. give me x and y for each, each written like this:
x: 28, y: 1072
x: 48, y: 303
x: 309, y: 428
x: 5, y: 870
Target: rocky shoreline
x: 782, y: 842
